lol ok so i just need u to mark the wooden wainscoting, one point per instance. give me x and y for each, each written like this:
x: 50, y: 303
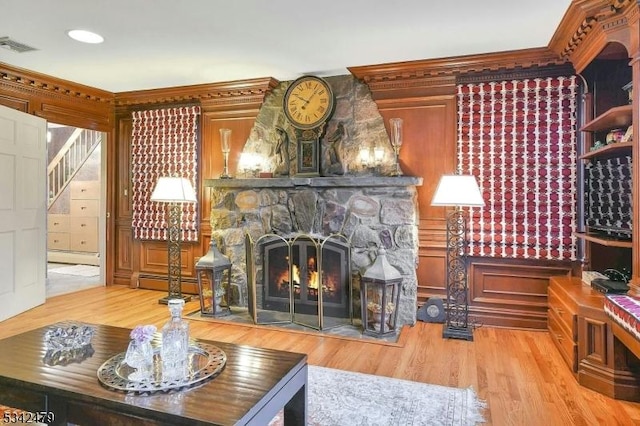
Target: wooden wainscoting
x: 154, y: 265
x: 511, y: 293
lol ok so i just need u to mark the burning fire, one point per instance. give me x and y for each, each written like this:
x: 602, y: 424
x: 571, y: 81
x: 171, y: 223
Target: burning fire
x: 312, y: 277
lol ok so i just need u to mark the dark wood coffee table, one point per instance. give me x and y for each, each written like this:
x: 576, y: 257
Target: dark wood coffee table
x: 253, y: 387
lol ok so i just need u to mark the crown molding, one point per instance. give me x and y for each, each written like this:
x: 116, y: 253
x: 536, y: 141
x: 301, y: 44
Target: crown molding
x: 587, y: 27
x: 35, y: 84
x: 210, y: 96
x: 425, y: 76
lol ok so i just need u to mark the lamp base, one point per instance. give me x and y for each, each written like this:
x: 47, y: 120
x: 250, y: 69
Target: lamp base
x: 451, y: 332
x: 165, y: 300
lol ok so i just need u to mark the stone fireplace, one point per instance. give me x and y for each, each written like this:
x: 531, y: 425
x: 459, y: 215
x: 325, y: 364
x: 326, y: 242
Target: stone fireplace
x: 367, y: 212
x: 361, y: 202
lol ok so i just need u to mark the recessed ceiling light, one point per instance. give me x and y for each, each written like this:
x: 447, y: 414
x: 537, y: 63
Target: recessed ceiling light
x: 85, y: 36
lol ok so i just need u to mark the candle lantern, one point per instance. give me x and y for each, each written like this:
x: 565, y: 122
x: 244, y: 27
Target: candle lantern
x: 380, y: 296
x: 213, y: 271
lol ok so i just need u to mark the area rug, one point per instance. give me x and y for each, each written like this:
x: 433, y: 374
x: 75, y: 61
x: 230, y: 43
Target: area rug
x: 79, y: 270
x: 337, y: 398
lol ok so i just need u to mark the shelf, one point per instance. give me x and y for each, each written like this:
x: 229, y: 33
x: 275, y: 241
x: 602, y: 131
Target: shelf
x: 617, y: 117
x: 603, y: 240
x: 611, y: 149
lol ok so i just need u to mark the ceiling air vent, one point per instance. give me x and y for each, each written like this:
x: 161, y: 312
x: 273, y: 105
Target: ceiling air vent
x: 7, y: 43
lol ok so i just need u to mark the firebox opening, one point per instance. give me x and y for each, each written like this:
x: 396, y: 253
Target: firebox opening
x: 299, y: 271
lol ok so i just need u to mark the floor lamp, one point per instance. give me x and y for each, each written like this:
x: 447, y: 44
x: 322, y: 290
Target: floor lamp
x: 175, y: 191
x: 457, y: 191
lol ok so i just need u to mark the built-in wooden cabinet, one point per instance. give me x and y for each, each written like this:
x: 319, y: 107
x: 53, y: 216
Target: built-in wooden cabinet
x: 74, y: 237
x: 563, y: 325
x: 602, y: 52
x: 582, y: 333
x: 605, y: 193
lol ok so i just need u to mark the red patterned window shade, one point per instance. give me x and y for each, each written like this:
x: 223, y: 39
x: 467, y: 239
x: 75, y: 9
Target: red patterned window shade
x: 164, y: 143
x: 519, y: 139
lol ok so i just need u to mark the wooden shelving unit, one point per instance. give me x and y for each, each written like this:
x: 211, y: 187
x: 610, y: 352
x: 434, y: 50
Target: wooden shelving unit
x: 620, y: 116
x: 609, y: 150
x: 604, y: 241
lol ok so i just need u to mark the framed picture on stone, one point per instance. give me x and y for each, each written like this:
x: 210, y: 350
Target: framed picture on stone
x: 308, y: 158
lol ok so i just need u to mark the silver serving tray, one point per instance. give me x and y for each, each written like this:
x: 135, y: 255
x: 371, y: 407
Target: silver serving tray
x: 205, y: 362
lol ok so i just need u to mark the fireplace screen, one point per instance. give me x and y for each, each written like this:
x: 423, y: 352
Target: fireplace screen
x: 303, y: 280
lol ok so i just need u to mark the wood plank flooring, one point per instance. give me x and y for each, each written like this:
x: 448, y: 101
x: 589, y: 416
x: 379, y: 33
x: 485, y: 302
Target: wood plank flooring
x: 520, y: 374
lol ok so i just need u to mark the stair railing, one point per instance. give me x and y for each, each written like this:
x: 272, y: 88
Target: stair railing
x: 69, y: 159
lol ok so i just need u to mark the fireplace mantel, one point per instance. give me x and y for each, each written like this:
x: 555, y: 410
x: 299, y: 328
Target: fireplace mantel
x: 316, y: 182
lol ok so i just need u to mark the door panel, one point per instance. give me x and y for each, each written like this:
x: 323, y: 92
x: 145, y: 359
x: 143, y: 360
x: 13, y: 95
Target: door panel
x: 22, y: 211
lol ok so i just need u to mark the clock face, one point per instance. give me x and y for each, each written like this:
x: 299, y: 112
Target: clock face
x: 433, y: 311
x: 308, y: 102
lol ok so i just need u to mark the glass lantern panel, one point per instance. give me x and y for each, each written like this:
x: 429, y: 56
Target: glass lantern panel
x: 206, y: 295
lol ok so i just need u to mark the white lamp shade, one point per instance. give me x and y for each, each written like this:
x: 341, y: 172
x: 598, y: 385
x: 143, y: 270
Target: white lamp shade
x: 173, y: 190
x: 458, y: 190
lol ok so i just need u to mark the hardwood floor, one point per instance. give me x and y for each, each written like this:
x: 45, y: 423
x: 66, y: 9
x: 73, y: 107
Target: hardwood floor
x: 520, y: 374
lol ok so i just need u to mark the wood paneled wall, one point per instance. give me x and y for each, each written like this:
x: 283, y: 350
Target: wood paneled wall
x: 421, y: 92
x: 503, y: 292
x: 232, y: 105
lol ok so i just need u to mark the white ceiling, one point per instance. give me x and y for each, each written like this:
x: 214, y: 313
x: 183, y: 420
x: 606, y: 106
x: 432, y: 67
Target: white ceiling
x: 163, y: 43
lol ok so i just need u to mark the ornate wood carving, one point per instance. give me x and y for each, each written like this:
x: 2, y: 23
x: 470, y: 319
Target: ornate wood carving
x: 435, y: 76
x: 588, y: 25
x: 217, y: 96
x: 36, y: 84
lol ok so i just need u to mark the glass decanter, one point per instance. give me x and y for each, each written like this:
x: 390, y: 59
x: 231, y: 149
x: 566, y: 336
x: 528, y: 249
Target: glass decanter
x: 174, y: 352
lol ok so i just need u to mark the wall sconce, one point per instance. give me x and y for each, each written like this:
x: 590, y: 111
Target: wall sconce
x: 396, y: 141
x: 371, y: 157
x: 251, y: 164
x: 225, y: 145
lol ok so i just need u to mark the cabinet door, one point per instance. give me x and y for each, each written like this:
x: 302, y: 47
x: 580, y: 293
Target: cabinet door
x: 593, y: 340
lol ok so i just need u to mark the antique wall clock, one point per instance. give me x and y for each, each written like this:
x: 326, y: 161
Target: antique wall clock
x: 308, y: 105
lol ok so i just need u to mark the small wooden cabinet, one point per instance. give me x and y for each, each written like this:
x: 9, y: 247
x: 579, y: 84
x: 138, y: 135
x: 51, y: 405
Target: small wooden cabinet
x: 582, y: 333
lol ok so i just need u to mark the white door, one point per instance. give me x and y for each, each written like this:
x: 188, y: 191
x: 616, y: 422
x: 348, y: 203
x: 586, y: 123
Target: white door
x: 23, y: 210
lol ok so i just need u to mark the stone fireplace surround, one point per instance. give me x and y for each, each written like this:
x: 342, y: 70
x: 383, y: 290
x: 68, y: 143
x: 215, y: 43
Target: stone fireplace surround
x: 371, y: 211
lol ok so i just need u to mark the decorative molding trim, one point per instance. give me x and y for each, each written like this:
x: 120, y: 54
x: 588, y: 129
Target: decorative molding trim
x: 439, y: 73
x: 584, y: 17
x: 428, y: 69
x: 585, y: 27
x: 209, y: 95
x: 517, y: 74
x: 37, y: 84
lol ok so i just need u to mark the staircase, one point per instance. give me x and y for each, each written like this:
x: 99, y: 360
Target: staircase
x: 72, y: 155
